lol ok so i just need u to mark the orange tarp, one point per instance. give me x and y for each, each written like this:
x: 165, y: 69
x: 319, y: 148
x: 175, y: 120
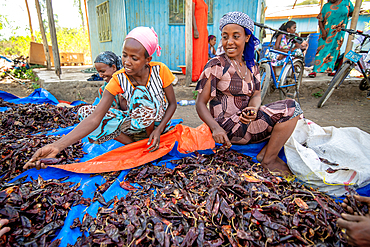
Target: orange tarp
x: 136, y: 154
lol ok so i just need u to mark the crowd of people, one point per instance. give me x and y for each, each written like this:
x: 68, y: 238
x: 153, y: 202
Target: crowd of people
x: 137, y: 99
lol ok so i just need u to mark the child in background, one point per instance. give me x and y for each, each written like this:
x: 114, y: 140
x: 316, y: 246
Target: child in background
x: 211, y: 46
x: 282, y: 44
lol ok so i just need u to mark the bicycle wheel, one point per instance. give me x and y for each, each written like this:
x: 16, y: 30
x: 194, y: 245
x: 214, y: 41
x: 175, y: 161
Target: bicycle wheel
x: 338, y: 78
x: 265, y: 73
x: 288, y: 78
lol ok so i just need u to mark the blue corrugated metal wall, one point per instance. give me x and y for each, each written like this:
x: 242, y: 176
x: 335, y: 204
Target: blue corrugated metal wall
x: 117, y: 20
x: 155, y: 14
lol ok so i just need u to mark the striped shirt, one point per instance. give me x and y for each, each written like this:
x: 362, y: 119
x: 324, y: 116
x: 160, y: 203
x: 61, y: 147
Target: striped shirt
x: 160, y: 78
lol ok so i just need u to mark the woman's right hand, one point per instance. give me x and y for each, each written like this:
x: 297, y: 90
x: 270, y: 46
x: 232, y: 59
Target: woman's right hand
x: 48, y: 151
x: 323, y: 34
x: 220, y: 136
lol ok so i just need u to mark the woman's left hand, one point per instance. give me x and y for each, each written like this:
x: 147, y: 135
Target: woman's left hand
x: 154, y: 139
x: 248, y: 115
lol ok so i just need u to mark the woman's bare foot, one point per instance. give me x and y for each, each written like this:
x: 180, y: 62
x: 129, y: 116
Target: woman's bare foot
x: 278, y: 167
x: 261, y: 154
x: 124, y: 139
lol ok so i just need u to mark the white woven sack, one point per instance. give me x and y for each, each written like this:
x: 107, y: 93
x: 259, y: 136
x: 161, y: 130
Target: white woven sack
x: 347, y: 147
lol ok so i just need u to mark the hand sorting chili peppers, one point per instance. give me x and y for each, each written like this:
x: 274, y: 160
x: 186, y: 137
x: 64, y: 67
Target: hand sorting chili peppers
x: 213, y: 200
x: 20, y: 129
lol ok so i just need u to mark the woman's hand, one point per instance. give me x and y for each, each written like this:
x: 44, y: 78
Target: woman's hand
x: 48, y: 151
x: 363, y: 199
x: 196, y: 34
x: 248, y: 115
x: 357, y: 229
x: 220, y: 136
x: 323, y: 34
x: 4, y: 230
x: 154, y: 139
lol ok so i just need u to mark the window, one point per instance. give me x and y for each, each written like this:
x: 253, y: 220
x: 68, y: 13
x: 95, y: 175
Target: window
x: 104, y: 29
x: 177, y: 12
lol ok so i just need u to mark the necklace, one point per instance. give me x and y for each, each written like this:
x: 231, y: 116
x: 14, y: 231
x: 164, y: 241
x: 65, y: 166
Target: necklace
x: 237, y: 67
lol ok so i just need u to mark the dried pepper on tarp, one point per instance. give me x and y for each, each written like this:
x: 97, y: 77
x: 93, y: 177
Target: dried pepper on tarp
x: 37, y: 209
x: 222, y: 199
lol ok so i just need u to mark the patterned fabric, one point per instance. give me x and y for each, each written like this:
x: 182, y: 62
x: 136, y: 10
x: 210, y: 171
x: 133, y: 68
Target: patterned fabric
x: 160, y: 78
x: 239, y: 18
x: 146, y: 104
x: 334, y: 17
x: 143, y: 111
x: 246, y: 22
x: 109, y: 58
x: 284, y: 44
x: 230, y: 94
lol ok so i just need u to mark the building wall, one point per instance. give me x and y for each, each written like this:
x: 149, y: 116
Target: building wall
x: 171, y: 37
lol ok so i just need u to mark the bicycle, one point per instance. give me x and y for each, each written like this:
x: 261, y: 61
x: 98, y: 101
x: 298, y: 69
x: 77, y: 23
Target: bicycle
x: 353, y: 58
x: 291, y: 73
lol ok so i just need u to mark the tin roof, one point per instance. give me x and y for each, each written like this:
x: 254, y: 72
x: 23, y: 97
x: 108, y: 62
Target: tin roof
x: 303, y: 11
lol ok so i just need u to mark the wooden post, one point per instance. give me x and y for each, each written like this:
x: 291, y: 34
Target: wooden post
x: 88, y: 29
x: 53, y: 36
x: 29, y: 20
x: 43, y: 35
x: 356, y: 13
x: 189, y: 40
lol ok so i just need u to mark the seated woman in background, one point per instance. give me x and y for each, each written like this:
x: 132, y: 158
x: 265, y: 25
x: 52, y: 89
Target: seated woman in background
x: 211, y: 46
x: 146, y: 87
x: 107, y: 63
x: 282, y: 44
x: 230, y: 83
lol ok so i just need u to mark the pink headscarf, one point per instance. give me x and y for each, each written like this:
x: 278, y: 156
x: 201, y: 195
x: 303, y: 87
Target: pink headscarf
x: 147, y: 37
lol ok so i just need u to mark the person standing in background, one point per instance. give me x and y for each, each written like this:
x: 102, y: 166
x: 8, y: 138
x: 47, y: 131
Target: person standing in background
x: 332, y: 18
x: 211, y: 46
x: 200, y: 37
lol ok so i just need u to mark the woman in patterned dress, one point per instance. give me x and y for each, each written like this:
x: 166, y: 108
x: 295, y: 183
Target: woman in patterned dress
x: 147, y: 88
x: 230, y: 83
x: 333, y: 17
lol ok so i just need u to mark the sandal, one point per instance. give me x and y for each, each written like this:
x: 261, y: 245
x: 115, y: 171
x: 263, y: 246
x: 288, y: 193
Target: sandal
x: 331, y: 74
x: 312, y: 74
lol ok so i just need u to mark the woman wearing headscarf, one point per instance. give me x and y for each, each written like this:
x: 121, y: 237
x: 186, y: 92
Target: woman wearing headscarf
x: 332, y: 18
x: 107, y: 63
x: 230, y: 83
x: 147, y: 88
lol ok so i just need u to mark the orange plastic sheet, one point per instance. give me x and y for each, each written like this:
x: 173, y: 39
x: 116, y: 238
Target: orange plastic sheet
x: 136, y: 154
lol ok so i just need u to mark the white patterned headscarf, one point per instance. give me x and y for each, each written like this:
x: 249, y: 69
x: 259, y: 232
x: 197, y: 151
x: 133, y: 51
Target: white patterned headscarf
x: 246, y: 22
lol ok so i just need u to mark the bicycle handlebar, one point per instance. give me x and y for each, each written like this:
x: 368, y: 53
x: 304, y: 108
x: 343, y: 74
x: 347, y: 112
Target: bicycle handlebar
x: 351, y: 31
x: 293, y: 36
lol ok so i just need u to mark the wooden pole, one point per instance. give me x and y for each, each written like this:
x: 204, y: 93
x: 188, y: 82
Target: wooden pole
x: 356, y: 13
x: 29, y: 20
x: 189, y: 40
x: 43, y: 35
x: 53, y: 36
x: 88, y: 29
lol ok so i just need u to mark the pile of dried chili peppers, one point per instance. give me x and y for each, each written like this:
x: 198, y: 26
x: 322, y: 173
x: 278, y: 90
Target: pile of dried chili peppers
x: 37, y: 209
x: 213, y: 200
x: 19, y: 141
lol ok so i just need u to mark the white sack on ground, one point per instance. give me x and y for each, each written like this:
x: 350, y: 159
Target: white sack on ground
x: 347, y: 147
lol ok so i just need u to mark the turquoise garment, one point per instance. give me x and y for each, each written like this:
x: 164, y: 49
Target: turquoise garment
x: 334, y: 17
x: 143, y: 110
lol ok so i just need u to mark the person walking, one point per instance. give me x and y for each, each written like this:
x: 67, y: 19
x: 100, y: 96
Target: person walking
x: 332, y: 18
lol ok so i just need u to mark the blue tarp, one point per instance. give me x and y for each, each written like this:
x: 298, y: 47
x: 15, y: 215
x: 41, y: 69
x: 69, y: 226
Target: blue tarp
x: 69, y: 236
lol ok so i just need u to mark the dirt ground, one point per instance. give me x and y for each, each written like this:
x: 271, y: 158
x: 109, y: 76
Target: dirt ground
x: 347, y: 107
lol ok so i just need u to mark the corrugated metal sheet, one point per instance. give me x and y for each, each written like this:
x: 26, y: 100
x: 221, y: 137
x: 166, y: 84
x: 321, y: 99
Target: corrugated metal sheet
x: 154, y: 13
x: 118, y: 21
